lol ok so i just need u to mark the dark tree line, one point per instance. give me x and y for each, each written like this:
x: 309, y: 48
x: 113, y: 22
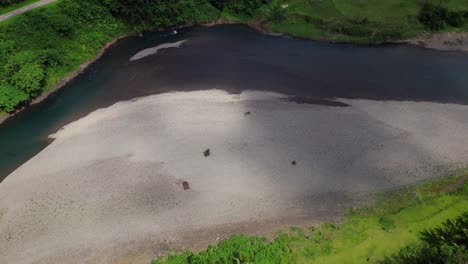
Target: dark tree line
x: 169, y: 12
x: 435, y: 16
x: 9, y: 2
x: 242, y: 7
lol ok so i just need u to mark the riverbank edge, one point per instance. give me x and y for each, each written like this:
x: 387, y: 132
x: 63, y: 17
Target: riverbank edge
x: 66, y: 79
x: 382, y: 206
x: 445, y: 41
x: 435, y: 41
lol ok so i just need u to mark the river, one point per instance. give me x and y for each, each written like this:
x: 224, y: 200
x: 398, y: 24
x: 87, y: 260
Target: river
x: 236, y: 58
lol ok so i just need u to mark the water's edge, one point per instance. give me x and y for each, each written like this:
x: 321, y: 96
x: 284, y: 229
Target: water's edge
x: 258, y: 26
x: 67, y: 78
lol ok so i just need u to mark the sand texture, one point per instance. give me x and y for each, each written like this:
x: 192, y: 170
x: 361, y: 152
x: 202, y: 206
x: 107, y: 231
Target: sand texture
x: 110, y: 187
x: 448, y: 41
x: 154, y: 50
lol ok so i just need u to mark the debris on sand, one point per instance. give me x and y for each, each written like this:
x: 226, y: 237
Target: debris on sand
x: 207, y: 153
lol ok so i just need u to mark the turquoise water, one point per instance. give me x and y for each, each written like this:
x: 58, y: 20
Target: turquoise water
x: 236, y: 58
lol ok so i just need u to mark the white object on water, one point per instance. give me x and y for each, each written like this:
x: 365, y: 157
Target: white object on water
x: 154, y: 50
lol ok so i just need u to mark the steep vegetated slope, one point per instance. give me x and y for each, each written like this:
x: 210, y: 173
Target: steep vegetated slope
x: 40, y: 47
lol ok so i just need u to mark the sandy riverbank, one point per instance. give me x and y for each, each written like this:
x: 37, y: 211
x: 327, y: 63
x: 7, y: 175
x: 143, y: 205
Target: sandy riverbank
x: 110, y: 186
x: 448, y: 41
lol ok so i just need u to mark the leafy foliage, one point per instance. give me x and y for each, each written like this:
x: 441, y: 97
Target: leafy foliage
x: 240, y: 7
x: 437, y: 17
x: 445, y: 244
x: 156, y: 13
x: 243, y: 7
x: 9, y: 2
x: 29, y: 78
x: 238, y: 249
x: 11, y: 97
x: 41, y: 46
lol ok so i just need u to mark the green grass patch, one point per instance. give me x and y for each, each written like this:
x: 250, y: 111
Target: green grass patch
x: 357, y: 21
x: 4, y: 10
x: 368, y: 235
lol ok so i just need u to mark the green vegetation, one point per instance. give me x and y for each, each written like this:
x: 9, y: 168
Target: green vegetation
x: 437, y: 17
x: 238, y: 249
x: 348, y: 21
x: 206, y: 153
x: 40, y: 47
x: 358, y: 21
x: 9, y: 2
x: 445, y: 244
x: 402, y: 227
x: 43, y: 45
x: 10, y: 5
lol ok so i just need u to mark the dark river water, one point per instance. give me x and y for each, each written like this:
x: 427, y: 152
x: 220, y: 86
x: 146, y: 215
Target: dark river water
x: 236, y: 58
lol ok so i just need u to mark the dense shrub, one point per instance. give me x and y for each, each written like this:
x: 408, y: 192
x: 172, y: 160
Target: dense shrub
x: 156, y: 13
x: 454, y: 19
x: 9, y: 2
x: 432, y: 16
x: 247, y: 7
x: 238, y: 249
x: 243, y: 7
x: 11, y: 97
x: 436, y: 17
x: 445, y: 244
x: 38, y: 44
x: 38, y: 47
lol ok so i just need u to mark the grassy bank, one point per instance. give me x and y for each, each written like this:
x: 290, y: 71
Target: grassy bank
x: 354, y: 21
x: 368, y: 235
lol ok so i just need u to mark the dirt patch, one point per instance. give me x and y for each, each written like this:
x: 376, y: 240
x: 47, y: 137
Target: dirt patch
x: 314, y: 101
x: 185, y: 185
x: 450, y: 187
